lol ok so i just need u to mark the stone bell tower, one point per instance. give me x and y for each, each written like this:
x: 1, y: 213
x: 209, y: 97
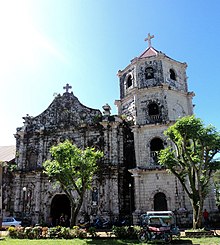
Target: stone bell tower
x: 153, y: 95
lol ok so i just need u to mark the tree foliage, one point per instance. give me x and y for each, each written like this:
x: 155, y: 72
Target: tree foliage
x: 73, y: 169
x: 191, y: 159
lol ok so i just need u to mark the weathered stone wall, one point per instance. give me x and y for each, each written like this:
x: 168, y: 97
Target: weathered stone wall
x: 160, y: 181
x: 67, y: 118
x: 142, y: 138
x: 180, y: 84
x: 179, y: 104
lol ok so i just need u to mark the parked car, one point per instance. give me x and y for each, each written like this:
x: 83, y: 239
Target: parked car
x: 10, y: 221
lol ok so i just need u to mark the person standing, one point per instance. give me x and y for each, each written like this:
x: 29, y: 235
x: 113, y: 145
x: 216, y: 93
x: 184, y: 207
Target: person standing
x: 206, y: 217
x: 62, y: 220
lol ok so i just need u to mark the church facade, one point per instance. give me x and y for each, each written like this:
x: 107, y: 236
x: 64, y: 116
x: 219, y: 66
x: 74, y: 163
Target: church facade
x: 153, y: 95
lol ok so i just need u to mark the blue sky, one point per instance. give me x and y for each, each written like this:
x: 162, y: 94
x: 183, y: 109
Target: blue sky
x: 45, y: 44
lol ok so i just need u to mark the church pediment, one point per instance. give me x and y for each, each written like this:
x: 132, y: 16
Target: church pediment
x: 65, y: 111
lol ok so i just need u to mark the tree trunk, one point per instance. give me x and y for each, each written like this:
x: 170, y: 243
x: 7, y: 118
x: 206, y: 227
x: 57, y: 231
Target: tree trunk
x: 73, y: 216
x: 75, y: 208
x: 197, y: 214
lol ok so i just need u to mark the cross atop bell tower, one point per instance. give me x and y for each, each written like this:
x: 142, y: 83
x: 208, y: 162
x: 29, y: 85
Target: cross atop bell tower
x: 67, y: 87
x: 148, y: 38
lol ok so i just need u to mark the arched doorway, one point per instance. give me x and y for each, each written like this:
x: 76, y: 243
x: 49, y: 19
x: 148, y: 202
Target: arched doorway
x: 160, y: 202
x: 60, y: 205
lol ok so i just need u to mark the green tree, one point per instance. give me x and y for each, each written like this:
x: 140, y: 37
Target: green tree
x: 73, y: 169
x: 191, y: 159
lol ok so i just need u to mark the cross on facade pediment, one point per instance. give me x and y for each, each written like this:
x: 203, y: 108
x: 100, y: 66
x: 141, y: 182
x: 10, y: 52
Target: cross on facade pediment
x: 67, y: 87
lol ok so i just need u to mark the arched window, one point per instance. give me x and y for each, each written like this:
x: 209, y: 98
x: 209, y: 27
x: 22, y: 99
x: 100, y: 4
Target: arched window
x: 129, y: 81
x: 156, y: 145
x: 153, y: 109
x: 149, y: 73
x: 172, y: 75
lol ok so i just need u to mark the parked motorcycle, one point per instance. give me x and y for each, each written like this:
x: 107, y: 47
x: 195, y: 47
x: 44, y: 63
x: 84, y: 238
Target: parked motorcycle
x: 97, y: 223
x: 83, y: 224
x: 100, y: 223
x: 121, y: 222
x: 106, y: 224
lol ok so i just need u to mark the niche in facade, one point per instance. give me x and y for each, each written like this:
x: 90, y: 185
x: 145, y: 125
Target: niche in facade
x: 31, y: 160
x: 94, y: 196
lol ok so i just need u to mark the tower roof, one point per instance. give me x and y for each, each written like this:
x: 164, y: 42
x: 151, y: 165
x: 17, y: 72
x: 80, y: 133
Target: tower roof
x: 150, y: 51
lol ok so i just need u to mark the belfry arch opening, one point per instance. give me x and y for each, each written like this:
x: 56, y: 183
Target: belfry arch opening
x: 149, y: 73
x: 156, y: 145
x: 172, y: 75
x: 60, y: 205
x: 129, y: 81
x: 160, y: 202
x: 153, y: 109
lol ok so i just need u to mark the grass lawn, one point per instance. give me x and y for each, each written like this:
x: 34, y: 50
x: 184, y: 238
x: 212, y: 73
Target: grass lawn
x: 197, y: 241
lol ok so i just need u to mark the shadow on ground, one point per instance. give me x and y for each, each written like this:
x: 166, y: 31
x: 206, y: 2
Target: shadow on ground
x: 113, y: 241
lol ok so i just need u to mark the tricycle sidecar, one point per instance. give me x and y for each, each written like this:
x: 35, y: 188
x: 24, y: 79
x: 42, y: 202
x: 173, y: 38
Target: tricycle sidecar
x: 162, y: 222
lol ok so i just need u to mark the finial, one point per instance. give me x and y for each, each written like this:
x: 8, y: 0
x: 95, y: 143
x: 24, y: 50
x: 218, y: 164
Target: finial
x: 107, y: 110
x: 148, y: 38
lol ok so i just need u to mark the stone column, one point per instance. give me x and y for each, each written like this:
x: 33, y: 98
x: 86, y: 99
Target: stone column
x: 137, y: 200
